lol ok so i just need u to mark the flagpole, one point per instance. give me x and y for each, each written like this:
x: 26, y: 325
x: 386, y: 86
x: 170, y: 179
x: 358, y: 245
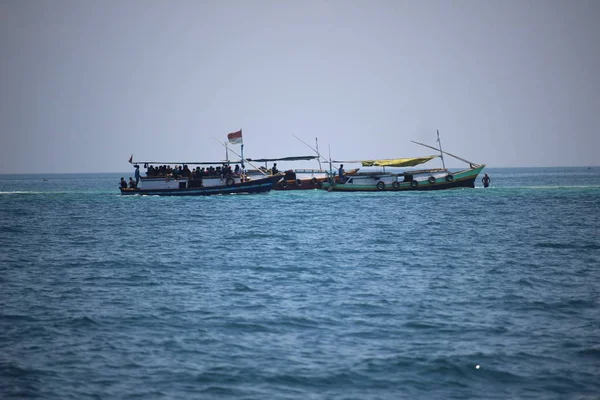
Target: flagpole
x: 242, y: 147
x: 441, y: 152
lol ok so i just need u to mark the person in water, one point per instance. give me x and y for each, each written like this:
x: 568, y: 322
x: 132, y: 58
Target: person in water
x: 486, y: 180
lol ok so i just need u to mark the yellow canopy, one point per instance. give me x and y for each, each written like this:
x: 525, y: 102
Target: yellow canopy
x: 397, y: 162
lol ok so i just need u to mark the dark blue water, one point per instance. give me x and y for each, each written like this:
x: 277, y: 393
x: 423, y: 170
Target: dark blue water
x: 301, y: 295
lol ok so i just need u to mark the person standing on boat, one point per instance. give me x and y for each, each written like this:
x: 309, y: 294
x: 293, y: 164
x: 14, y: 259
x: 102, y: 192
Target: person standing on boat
x: 274, y: 170
x: 486, y: 181
x: 341, y: 173
x: 137, y: 174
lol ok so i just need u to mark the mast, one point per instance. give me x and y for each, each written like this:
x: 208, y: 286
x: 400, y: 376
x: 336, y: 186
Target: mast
x: 441, y: 152
x: 315, y: 150
x: 318, y: 155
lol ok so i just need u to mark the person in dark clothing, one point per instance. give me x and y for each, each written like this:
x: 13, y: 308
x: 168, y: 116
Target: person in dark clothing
x: 274, y: 170
x: 137, y: 174
x: 486, y: 181
x: 341, y: 174
x: 123, y: 183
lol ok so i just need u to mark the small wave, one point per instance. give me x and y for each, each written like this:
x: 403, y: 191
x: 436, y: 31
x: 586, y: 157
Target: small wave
x: 12, y: 229
x: 559, y: 187
x: 297, y: 322
x: 80, y: 321
x: 333, y: 379
x: 592, y: 353
x: 240, y: 287
x: 524, y: 282
x: 15, y: 317
x: 421, y: 325
x: 578, y: 304
x: 568, y: 246
x: 21, y: 192
x: 504, y: 376
x: 566, y: 306
x: 14, y: 370
x: 241, y: 326
x: 218, y: 390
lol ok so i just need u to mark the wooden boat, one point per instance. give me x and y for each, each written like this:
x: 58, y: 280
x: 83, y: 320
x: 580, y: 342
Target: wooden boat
x: 167, y: 185
x: 294, y: 179
x: 302, y: 179
x: 418, y: 179
x: 425, y: 179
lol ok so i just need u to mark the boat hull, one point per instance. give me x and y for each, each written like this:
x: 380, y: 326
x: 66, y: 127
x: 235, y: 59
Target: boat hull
x: 461, y: 179
x: 300, y: 184
x: 263, y: 185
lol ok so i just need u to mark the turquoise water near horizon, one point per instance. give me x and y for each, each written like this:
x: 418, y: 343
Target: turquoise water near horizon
x: 303, y: 294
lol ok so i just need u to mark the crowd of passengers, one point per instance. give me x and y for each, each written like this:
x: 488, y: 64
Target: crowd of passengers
x: 176, y: 172
x: 197, y: 173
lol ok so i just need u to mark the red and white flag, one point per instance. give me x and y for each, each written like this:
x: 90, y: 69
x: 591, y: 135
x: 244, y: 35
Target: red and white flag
x: 235, y: 137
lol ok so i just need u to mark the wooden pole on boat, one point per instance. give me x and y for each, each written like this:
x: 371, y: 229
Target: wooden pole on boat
x: 441, y: 152
x: 243, y: 167
x: 318, y: 155
x: 445, y: 152
x: 240, y: 157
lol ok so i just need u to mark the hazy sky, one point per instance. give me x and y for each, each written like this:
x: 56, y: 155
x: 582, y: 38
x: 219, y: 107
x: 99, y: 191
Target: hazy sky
x: 85, y: 84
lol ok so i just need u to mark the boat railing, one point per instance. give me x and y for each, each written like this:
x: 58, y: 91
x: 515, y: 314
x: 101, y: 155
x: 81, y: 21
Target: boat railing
x: 310, y: 171
x: 422, y: 171
x: 170, y: 176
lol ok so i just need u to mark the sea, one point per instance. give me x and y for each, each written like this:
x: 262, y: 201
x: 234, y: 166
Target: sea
x: 484, y: 293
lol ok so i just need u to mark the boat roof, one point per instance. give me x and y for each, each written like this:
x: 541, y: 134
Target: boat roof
x: 189, y: 162
x: 294, y: 158
x: 391, y: 162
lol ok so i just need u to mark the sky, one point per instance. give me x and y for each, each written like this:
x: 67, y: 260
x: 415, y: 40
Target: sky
x: 86, y: 84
